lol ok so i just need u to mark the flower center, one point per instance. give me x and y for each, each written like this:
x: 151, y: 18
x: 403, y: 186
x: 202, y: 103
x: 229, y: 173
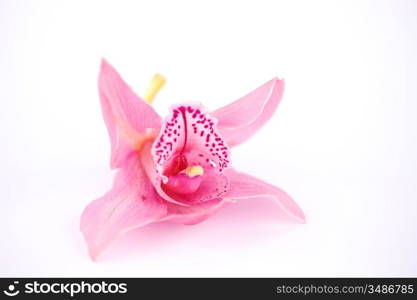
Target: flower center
x: 193, y: 171
x: 184, y: 180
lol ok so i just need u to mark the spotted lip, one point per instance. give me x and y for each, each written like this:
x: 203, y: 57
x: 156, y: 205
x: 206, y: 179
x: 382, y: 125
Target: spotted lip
x: 190, y: 127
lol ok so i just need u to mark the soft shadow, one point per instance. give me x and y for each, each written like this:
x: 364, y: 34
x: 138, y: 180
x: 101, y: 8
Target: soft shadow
x: 237, y: 225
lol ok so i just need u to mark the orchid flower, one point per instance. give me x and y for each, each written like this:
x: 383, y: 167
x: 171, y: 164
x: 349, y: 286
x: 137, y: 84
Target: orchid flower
x: 177, y: 169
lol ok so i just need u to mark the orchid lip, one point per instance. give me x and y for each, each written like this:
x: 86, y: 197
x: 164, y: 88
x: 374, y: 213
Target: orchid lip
x: 183, y: 184
x: 186, y: 181
x: 190, y: 132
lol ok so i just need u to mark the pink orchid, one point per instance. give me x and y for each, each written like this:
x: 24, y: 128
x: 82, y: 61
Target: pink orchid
x: 177, y: 169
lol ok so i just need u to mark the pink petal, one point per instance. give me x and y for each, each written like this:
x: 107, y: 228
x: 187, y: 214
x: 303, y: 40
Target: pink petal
x: 190, y: 215
x: 243, y: 186
x: 241, y: 119
x: 128, y: 118
x: 130, y: 204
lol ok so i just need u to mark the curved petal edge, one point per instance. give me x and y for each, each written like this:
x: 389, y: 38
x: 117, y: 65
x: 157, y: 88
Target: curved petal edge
x: 241, y: 119
x: 243, y: 186
x: 128, y: 118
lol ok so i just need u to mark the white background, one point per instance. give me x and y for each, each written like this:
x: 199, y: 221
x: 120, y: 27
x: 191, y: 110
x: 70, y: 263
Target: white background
x: 342, y: 143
